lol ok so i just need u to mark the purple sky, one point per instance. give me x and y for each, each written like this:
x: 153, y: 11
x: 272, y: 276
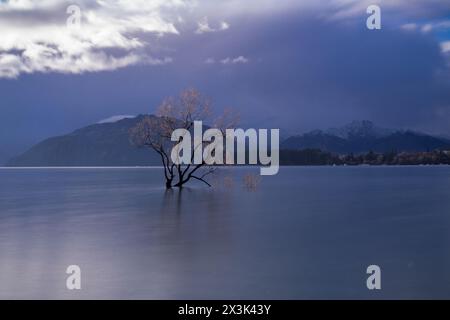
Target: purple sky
x: 298, y: 66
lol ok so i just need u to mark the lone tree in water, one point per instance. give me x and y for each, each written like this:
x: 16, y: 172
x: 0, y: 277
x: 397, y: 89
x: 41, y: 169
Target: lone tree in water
x: 178, y: 113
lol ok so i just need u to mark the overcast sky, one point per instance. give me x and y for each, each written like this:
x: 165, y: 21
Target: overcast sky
x: 295, y: 65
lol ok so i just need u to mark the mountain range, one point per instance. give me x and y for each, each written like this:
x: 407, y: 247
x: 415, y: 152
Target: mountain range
x: 100, y: 144
x: 107, y: 144
x: 364, y: 136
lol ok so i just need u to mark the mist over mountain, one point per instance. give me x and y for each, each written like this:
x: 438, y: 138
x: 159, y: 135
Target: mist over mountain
x: 107, y: 144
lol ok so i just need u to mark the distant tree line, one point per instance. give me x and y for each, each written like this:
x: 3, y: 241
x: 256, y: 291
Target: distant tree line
x: 318, y: 157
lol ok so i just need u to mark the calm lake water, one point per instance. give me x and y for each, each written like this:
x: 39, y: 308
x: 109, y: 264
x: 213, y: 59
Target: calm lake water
x: 308, y: 232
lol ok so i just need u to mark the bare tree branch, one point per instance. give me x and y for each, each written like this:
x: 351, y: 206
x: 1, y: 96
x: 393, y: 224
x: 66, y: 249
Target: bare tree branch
x: 155, y: 132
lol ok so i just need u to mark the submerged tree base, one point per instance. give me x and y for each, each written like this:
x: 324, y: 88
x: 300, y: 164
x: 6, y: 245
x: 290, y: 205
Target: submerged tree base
x: 178, y: 113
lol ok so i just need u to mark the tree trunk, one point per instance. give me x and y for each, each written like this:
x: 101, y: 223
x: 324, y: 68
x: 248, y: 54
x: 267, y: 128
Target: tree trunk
x: 168, y: 184
x: 179, y: 184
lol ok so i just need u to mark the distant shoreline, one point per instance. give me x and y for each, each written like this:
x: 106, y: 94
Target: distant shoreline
x: 245, y: 166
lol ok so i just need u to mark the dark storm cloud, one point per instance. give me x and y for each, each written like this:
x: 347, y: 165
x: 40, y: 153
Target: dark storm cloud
x: 305, y: 72
x: 299, y: 71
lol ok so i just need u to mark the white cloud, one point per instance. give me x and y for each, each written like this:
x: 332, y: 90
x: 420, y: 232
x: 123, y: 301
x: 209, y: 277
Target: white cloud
x: 224, y: 25
x: 437, y: 26
x: 345, y: 9
x: 240, y: 59
x: 116, y: 33
x: 427, y: 28
x: 35, y: 37
x: 409, y: 26
x: 204, y: 27
x: 445, y: 47
x: 210, y: 61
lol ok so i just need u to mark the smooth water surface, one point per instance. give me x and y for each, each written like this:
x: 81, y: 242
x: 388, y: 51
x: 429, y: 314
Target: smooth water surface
x: 308, y: 232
